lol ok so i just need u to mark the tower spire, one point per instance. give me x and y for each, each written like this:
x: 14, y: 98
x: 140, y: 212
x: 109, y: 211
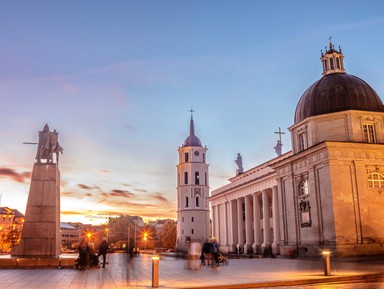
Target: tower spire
x: 191, y: 125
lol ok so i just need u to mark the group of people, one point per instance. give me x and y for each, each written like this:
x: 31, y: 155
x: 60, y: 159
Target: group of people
x: 210, y: 253
x: 87, y: 255
x: 204, y: 254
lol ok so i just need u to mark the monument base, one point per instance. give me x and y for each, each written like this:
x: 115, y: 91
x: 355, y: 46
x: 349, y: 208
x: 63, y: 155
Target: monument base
x: 41, y: 229
x: 37, y: 263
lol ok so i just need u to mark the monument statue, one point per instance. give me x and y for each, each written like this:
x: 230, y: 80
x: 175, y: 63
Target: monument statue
x: 278, y: 148
x: 41, y: 230
x: 48, y: 145
x: 239, y: 163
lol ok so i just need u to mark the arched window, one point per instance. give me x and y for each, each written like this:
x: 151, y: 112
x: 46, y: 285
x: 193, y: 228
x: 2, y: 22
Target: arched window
x: 376, y: 181
x: 186, y: 202
x: 331, y: 62
x: 197, y: 201
x: 338, y: 63
x: 185, y: 178
x: 197, y: 178
x: 186, y: 157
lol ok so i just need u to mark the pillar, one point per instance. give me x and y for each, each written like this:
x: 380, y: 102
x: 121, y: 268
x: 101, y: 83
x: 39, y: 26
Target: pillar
x: 276, y: 222
x: 266, y: 227
x: 256, y: 246
x: 248, y: 225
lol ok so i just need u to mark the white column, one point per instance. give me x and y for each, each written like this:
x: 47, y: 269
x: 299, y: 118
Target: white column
x: 256, y: 225
x: 276, y: 223
x: 214, y: 216
x: 240, y: 225
x: 234, y: 228
x: 266, y: 227
x: 248, y: 225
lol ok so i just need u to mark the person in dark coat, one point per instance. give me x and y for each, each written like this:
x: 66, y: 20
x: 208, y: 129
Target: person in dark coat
x: 103, y: 250
x: 83, y: 254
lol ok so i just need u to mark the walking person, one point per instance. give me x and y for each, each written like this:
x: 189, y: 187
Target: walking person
x: 103, y: 250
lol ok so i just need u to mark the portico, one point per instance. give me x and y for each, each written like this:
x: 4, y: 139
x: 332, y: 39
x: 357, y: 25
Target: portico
x: 246, y: 212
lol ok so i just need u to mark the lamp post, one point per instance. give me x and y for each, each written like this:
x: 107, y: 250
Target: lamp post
x: 89, y: 237
x: 106, y: 232
x: 326, y: 263
x: 145, y: 242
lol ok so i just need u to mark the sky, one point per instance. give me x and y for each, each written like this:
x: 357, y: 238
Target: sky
x: 117, y: 79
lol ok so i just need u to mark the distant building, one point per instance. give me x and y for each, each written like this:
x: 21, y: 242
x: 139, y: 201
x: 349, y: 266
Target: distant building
x: 10, y: 219
x: 193, y: 221
x: 327, y: 193
x: 69, y: 234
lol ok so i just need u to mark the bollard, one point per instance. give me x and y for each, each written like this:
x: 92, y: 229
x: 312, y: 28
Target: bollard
x: 155, y: 271
x: 327, y: 262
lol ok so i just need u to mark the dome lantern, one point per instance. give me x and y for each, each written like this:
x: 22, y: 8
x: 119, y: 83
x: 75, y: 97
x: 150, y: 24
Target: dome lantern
x: 332, y: 60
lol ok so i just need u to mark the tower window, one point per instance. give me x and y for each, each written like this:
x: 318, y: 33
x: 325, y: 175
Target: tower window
x: 197, y: 178
x: 186, y: 202
x: 193, y: 219
x: 203, y: 158
x: 331, y: 62
x: 192, y: 231
x: 302, y: 142
x: 376, y: 181
x: 205, y: 179
x: 197, y: 201
x: 185, y: 178
x: 369, y: 133
x: 186, y: 157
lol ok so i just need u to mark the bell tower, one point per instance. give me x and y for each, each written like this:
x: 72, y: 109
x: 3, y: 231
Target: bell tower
x: 193, y: 221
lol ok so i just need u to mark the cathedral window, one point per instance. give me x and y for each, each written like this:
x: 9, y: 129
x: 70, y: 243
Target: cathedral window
x: 193, y: 219
x: 203, y: 158
x: 197, y: 202
x: 185, y: 178
x: 331, y: 62
x: 302, y: 141
x: 376, y: 181
x: 197, y: 178
x: 186, y: 202
x: 186, y: 157
x: 369, y: 133
x: 192, y: 231
x: 304, y: 204
x: 338, y: 63
x: 205, y: 179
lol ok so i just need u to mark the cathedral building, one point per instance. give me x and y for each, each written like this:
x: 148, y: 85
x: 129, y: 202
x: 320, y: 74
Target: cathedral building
x: 327, y: 193
x: 193, y: 221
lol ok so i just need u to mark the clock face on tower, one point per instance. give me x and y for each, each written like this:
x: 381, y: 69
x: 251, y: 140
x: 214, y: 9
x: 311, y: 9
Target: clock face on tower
x: 196, y: 153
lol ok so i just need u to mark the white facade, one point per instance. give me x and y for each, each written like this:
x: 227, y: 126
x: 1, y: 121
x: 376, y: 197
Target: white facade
x: 193, y: 221
x: 327, y: 193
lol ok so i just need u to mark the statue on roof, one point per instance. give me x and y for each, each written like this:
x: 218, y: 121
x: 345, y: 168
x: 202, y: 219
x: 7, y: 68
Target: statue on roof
x: 278, y: 148
x: 239, y: 163
x: 48, y: 145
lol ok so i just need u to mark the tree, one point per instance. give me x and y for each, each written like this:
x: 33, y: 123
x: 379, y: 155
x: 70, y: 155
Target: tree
x: 12, y: 238
x: 167, y: 234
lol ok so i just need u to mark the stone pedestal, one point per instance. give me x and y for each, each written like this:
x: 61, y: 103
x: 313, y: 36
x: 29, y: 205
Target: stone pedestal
x: 41, y: 230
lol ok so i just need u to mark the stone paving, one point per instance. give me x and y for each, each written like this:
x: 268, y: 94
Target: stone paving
x: 125, y: 272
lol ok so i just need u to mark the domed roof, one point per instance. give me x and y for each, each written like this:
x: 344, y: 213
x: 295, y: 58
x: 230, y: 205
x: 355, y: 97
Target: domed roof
x: 192, y: 140
x: 337, y: 92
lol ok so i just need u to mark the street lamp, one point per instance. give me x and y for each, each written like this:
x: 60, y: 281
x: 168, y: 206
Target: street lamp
x: 106, y: 231
x: 89, y: 237
x: 145, y: 242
